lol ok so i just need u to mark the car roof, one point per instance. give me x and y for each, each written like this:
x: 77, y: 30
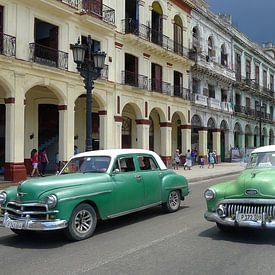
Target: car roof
x: 115, y: 152
x: 264, y: 149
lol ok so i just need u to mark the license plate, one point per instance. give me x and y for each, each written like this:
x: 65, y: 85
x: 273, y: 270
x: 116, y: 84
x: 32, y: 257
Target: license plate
x: 249, y: 217
x: 14, y: 224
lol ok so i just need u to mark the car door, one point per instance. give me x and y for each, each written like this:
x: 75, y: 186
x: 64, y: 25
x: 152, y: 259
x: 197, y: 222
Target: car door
x: 152, y: 178
x: 128, y: 185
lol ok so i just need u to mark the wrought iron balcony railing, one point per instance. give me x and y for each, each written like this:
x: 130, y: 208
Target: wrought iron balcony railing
x: 135, y: 80
x: 72, y: 3
x: 132, y: 26
x: 7, y: 44
x: 181, y: 92
x: 96, y: 8
x: 48, y: 56
x: 159, y: 86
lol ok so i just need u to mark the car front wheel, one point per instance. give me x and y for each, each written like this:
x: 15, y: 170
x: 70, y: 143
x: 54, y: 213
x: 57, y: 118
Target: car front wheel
x: 173, y: 202
x: 82, y: 223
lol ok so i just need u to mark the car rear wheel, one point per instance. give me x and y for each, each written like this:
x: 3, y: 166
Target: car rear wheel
x: 173, y: 202
x: 82, y: 223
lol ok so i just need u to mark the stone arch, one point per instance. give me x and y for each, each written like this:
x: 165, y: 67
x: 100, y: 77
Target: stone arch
x: 196, y: 121
x: 210, y: 48
x: 224, y: 125
x: 57, y: 91
x: 160, y: 112
x: 196, y: 124
x: 177, y: 120
x: 5, y: 88
x: 211, y: 124
x: 134, y: 106
x: 157, y: 7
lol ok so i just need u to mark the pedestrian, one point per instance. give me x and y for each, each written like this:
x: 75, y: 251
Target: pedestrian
x: 34, y: 160
x: 201, y: 162
x: 56, y: 162
x: 193, y: 156
x: 44, y: 161
x: 76, y: 150
x: 188, y: 160
x: 176, y: 159
x: 196, y: 154
x: 215, y: 156
x: 211, y: 160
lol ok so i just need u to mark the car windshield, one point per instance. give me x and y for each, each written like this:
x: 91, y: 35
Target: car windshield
x: 261, y: 160
x: 91, y: 164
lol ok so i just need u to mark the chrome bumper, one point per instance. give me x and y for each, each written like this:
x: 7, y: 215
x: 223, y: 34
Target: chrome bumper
x: 28, y: 224
x: 214, y: 217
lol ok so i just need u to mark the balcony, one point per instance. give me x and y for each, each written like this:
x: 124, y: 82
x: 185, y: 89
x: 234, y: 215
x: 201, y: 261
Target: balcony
x: 135, y: 80
x: 199, y: 99
x: 226, y: 106
x: 48, y: 56
x: 245, y: 110
x: 72, y: 3
x: 214, y: 103
x: 7, y: 45
x: 97, y: 9
x: 181, y: 92
x: 159, y: 86
x: 208, y: 64
x: 131, y: 26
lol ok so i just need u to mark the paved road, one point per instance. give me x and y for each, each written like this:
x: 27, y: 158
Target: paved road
x: 148, y: 242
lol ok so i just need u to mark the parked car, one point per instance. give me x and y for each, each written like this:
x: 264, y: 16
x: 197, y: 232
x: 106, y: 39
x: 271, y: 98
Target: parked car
x: 248, y: 201
x: 93, y: 185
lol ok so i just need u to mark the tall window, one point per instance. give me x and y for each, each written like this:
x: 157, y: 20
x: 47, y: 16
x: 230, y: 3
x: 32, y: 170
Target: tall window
x: 178, y: 35
x: 211, y: 52
x: 238, y: 66
x: 257, y: 74
x: 271, y: 83
x: 223, y: 56
x: 248, y: 69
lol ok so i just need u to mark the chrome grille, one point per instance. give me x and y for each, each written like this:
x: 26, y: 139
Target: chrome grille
x: 232, y: 208
x: 36, y: 211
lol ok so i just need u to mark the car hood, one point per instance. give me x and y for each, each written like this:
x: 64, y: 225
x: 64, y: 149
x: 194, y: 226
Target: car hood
x: 253, y: 183
x: 34, y: 188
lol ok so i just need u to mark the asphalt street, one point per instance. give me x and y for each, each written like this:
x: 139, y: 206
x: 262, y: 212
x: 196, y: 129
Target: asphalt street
x: 148, y: 242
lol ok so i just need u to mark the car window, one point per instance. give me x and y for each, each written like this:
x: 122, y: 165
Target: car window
x: 147, y: 163
x: 124, y: 164
x: 261, y: 160
x: 87, y: 165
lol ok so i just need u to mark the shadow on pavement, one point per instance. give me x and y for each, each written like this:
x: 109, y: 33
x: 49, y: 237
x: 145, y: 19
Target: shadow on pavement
x: 241, y: 235
x: 54, y: 239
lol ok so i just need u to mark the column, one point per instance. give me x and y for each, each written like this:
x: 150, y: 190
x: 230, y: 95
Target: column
x: 143, y: 126
x: 66, y: 131
x: 186, y: 138
x: 217, y: 143
x: 103, y: 129
x: 203, y: 143
x: 15, y: 169
x: 166, y: 142
x: 241, y: 141
x: 118, y: 131
x: 141, y: 12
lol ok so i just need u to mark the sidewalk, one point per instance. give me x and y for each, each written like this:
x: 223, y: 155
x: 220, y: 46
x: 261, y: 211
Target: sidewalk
x: 197, y: 174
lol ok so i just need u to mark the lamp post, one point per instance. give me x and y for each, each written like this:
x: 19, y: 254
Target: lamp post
x: 89, y: 69
x: 260, y: 110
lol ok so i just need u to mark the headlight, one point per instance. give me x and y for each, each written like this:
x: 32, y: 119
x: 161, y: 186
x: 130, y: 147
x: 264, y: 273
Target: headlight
x: 209, y: 194
x: 3, y: 197
x: 51, y: 201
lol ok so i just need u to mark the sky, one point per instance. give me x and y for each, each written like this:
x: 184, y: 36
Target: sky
x: 255, y: 18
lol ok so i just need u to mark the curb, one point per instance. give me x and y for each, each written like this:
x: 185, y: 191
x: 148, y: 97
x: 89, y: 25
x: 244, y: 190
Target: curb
x: 194, y: 180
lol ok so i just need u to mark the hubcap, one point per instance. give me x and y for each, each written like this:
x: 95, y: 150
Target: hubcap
x: 174, y: 200
x: 83, y: 221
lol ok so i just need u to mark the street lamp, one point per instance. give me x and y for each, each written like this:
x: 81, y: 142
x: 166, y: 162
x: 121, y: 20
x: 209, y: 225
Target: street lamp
x: 89, y: 69
x: 260, y: 109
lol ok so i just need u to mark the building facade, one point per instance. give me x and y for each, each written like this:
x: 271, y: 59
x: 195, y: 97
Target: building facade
x: 169, y: 79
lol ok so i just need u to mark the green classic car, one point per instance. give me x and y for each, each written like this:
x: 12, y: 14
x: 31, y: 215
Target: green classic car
x: 248, y: 201
x: 93, y: 185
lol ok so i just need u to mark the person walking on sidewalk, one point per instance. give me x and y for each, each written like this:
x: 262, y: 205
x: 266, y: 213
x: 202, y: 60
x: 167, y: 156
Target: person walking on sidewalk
x: 34, y: 160
x: 44, y: 161
x: 211, y: 160
x: 188, y: 161
x: 177, y: 159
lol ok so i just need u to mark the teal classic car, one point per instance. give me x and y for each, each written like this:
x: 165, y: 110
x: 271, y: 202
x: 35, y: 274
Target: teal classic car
x: 93, y: 185
x: 248, y: 201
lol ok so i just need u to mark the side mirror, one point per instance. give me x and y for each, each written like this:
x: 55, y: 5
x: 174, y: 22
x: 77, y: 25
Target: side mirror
x: 116, y: 171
